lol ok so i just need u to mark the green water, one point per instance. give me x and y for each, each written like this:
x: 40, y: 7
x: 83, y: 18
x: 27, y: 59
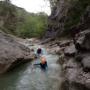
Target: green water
x: 29, y: 77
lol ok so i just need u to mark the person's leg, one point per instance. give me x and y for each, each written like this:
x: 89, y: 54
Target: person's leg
x: 43, y: 66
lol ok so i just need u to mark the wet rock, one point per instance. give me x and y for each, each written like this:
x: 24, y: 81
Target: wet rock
x: 65, y: 43
x: 83, y: 41
x: 77, y: 86
x: 47, y: 40
x: 61, y: 59
x: 64, y: 85
x: 54, y: 50
x: 57, y: 50
x: 75, y: 75
x: 86, y: 63
x: 70, y: 50
x: 12, y: 52
x: 86, y: 42
x: 78, y: 58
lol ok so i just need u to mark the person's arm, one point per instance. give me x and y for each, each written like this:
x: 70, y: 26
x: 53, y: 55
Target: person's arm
x: 37, y: 64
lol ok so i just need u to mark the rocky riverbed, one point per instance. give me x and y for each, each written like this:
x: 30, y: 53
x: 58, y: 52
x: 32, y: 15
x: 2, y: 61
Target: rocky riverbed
x: 74, y: 60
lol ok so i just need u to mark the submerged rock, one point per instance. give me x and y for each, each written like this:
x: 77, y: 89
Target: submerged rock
x: 12, y: 52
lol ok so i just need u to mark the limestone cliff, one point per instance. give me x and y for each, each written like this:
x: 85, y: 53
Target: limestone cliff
x: 68, y: 16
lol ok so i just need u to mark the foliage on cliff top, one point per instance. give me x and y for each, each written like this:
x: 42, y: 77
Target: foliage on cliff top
x: 17, y: 21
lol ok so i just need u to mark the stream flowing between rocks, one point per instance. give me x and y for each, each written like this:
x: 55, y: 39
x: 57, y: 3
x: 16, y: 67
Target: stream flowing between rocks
x: 30, y: 77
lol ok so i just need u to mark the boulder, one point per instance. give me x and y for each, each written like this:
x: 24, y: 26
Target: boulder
x: 70, y: 50
x: 61, y: 59
x: 84, y: 40
x: 86, y: 63
x: 12, y: 52
x: 78, y: 58
x: 65, y: 43
x: 76, y: 76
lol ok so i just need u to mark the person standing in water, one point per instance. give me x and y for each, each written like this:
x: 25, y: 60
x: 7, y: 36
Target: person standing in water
x: 39, y: 51
x: 43, y: 63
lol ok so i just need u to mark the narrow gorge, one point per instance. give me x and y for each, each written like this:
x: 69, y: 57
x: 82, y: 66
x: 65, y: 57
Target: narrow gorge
x: 64, y: 37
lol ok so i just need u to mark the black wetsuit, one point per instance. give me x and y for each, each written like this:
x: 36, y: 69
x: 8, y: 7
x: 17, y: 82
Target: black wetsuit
x: 43, y: 66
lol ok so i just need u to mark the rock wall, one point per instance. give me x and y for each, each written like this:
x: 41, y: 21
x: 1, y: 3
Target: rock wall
x: 75, y: 63
x: 12, y: 52
x: 68, y: 17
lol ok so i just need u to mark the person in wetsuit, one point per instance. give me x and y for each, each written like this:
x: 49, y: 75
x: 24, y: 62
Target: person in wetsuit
x: 39, y: 51
x: 43, y: 63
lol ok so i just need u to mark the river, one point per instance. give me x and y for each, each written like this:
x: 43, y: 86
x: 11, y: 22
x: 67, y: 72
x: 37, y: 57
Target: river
x: 30, y: 77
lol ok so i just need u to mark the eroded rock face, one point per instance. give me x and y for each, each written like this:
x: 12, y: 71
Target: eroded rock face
x: 76, y: 66
x: 11, y: 51
x: 68, y: 17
